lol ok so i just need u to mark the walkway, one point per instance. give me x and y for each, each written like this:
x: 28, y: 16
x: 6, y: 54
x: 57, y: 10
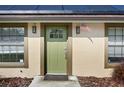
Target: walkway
x: 39, y: 81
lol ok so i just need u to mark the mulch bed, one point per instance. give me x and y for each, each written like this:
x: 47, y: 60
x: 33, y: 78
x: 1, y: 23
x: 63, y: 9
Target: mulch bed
x: 98, y: 82
x: 15, y: 82
x: 84, y: 82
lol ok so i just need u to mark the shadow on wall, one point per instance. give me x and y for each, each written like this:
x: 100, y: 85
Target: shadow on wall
x: 90, y: 31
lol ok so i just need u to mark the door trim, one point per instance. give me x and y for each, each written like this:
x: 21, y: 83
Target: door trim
x: 43, y: 45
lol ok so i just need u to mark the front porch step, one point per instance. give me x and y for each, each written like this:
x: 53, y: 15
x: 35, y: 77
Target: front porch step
x: 70, y: 78
x: 56, y: 77
x: 39, y: 81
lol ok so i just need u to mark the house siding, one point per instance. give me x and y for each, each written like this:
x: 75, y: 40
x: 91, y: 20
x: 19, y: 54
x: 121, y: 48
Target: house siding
x: 89, y: 52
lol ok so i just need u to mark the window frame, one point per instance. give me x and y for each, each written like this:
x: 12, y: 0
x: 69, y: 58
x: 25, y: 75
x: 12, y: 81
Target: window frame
x: 107, y: 25
x: 58, y: 39
x: 16, y: 64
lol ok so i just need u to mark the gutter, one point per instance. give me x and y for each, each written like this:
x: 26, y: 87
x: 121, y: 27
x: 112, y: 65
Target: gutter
x: 61, y: 17
x: 58, y: 12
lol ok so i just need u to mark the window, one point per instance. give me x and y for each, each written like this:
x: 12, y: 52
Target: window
x: 56, y: 33
x: 12, y: 45
x: 115, y: 51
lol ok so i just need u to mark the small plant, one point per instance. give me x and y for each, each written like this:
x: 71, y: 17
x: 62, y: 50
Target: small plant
x: 118, y: 73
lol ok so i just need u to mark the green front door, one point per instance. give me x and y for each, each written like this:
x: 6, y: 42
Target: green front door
x: 56, y: 44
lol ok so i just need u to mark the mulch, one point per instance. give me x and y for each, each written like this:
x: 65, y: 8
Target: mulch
x: 98, y: 82
x: 15, y: 82
x: 84, y: 82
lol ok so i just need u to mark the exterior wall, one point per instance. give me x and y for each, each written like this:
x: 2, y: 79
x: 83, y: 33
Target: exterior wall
x: 88, y: 52
x: 33, y: 57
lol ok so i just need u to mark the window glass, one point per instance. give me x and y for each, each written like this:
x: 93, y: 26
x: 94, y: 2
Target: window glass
x: 5, y: 31
x: 116, y: 44
x: 11, y: 44
x: 60, y: 35
x: 111, y: 51
x: 122, y: 51
x: 20, y: 31
x: 56, y: 33
x: 13, y: 52
x: 118, y: 30
x: 111, y: 31
x: 117, y: 51
x: 20, y: 39
x: 1, y: 53
x: 119, y: 40
x: 12, y: 31
x: 111, y: 40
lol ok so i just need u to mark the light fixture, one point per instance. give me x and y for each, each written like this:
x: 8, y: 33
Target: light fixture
x: 34, y: 28
x: 77, y: 29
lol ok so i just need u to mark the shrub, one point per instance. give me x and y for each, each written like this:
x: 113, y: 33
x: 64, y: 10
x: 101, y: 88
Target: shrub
x: 118, y: 73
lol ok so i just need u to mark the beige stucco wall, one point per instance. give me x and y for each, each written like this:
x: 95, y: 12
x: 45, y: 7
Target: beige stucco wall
x: 88, y: 51
x: 33, y: 57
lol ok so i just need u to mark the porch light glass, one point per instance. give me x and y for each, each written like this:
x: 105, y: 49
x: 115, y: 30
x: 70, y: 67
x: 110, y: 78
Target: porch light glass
x: 77, y: 29
x: 34, y: 29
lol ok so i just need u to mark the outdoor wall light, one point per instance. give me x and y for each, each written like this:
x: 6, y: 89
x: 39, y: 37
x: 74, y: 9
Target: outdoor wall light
x: 34, y: 29
x: 77, y: 29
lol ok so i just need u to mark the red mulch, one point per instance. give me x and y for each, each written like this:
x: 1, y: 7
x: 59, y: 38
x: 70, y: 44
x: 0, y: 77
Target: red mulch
x: 98, y: 82
x: 15, y: 82
x: 84, y: 82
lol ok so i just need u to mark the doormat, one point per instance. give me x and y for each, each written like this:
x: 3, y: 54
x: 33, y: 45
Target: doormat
x: 56, y: 77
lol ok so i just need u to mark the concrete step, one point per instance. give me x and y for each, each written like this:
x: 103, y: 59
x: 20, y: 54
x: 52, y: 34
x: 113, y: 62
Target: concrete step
x: 39, y: 81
